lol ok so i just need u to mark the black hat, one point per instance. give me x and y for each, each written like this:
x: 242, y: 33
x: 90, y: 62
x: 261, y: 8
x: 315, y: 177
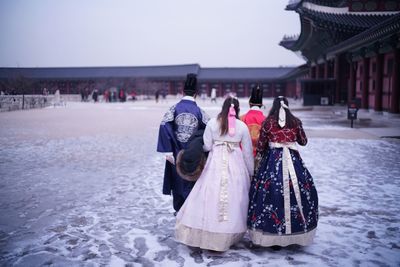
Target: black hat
x: 256, y: 96
x: 190, y: 84
x: 190, y: 161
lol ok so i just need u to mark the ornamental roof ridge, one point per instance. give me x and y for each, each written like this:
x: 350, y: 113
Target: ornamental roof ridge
x: 342, y: 10
x: 385, y: 28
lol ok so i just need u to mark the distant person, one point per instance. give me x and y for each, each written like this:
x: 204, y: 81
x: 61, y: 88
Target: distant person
x: 157, y: 95
x: 86, y: 94
x: 177, y: 126
x: 214, y: 214
x: 133, y: 96
x: 106, y: 96
x: 57, y: 98
x: 95, y: 95
x: 113, y: 96
x: 254, y: 117
x: 45, y: 94
x: 283, y: 207
x: 203, y: 95
x: 214, y: 95
x: 164, y: 95
x: 179, y: 95
x: 122, y: 95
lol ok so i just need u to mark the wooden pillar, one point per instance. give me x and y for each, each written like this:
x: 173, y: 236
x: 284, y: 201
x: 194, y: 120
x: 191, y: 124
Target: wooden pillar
x: 317, y: 71
x: 273, y: 89
x: 394, y: 101
x: 352, y: 86
x: 378, y: 82
x: 326, y: 69
x: 365, y: 81
x: 338, y: 79
x: 312, y: 72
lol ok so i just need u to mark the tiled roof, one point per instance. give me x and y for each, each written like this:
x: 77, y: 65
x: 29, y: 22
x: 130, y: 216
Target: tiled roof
x: 173, y: 71
x: 243, y: 73
x: 154, y: 72
x: 324, y: 25
x: 376, y: 33
x: 294, y: 4
x: 330, y: 3
x: 356, y: 22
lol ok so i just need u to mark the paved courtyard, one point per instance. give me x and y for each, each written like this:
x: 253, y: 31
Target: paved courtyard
x: 81, y: 186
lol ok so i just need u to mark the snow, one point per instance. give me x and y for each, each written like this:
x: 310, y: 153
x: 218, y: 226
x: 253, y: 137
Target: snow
x: 81, y: 186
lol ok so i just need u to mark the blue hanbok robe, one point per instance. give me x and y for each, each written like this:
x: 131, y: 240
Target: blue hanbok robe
x: 177, y: 126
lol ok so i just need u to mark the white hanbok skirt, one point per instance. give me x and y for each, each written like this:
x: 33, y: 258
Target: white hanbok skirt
x: 214, y: 214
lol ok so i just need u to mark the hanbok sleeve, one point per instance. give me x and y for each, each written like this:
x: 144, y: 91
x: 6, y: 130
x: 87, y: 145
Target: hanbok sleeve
x: 247, y: 150
x: 301, y: 135
x: 204, y: 119
x: 207, y: 138
x: 262, y: 144
x: 166, y: 137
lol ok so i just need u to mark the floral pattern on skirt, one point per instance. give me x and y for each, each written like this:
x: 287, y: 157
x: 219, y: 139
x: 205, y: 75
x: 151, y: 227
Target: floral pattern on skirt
x: 266, y: 209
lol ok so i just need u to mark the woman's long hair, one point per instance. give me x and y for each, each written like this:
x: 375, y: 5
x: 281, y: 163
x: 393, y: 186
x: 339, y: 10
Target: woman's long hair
x: 223, y: 115
x: 291, y: 120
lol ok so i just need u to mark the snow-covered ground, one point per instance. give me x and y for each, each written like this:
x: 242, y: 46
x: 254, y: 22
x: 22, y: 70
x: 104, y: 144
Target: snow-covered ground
x: 81, y: 186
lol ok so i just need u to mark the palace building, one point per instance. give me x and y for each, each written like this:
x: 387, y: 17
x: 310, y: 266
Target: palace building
x: 146, y: 80
x: 352, y: 49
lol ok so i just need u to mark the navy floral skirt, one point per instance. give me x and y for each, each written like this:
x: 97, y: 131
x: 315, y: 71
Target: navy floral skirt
x: 266, y: 216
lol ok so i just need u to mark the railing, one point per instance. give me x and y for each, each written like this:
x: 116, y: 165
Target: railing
x: 16, y: 102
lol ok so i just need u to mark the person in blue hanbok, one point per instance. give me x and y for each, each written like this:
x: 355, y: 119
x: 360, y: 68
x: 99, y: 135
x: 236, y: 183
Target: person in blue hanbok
x: 177, y: 126
x: 283, y: 208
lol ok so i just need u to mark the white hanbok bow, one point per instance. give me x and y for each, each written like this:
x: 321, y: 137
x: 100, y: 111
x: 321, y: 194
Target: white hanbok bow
x: 282, y: 114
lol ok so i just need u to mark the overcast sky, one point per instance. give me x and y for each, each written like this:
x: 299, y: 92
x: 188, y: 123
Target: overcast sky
x: 212, y: 33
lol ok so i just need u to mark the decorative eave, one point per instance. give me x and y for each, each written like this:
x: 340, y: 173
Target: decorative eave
x: 389, y: 28
x: 325, y: 26
x: 293, y: 4
x: 295, y: 44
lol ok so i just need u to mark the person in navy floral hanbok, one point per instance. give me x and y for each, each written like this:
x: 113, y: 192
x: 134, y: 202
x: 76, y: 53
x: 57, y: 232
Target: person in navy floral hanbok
x: 283, y: 208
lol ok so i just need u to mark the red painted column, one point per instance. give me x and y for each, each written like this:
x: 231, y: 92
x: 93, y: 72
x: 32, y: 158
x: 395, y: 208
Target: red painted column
x: 312, y: 72
x: 394, y: 101
x: 352, y: 86
x: 365, y: 81
x: 338, y: 79
x: 317, y: 72
x: 378, y: 82
x: 326, y: 68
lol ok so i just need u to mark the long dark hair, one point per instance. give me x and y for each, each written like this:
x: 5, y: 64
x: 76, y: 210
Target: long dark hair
x: 291, y: 120
x: 223, y: 115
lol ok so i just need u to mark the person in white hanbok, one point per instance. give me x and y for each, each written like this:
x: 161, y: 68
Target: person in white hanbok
x: 214, y: 214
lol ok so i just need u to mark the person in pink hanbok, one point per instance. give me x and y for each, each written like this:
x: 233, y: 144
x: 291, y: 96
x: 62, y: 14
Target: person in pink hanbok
x: 214, y: 214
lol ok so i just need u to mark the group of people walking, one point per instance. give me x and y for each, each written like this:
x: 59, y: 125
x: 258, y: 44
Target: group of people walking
x: 232, y: 174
